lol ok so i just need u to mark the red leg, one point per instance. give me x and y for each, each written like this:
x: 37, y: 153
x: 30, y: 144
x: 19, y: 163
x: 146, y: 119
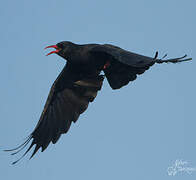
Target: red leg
x: 107, y: 64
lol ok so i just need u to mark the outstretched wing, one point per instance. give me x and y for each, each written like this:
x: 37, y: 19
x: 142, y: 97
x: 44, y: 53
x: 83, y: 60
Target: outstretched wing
x: 68, y: 98
x: 124, y: 66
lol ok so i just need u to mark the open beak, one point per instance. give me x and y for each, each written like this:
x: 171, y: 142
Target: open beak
x: 53, y: 46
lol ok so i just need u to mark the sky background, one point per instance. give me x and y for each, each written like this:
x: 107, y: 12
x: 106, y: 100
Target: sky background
x: 136, y: 132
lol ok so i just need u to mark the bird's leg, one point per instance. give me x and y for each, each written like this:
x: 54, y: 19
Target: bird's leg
x: 107, y: 64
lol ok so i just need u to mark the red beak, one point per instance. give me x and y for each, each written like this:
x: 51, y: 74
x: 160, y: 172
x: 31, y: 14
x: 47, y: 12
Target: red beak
x: 53, y: 46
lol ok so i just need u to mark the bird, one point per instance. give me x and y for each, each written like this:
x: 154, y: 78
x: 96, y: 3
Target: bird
x: 78, y: 84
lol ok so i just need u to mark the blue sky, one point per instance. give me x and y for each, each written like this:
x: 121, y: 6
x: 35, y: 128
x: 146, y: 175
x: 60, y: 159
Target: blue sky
x: 136, y: 132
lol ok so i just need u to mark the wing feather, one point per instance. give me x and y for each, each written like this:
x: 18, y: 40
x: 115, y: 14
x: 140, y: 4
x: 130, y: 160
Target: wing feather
x: 125, y: 65
x: 123, y: 56
x: 66, y: 101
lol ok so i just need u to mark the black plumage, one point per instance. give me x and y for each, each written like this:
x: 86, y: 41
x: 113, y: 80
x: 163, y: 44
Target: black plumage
x: 79, y: 83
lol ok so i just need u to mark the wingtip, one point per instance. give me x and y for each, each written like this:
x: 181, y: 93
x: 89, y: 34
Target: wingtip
x: 174, y: 60
x: 156, y: 55
x: 15, y: 162
x: 35, y: 150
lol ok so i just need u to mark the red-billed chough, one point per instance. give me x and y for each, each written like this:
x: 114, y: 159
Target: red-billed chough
x: 79, y: 82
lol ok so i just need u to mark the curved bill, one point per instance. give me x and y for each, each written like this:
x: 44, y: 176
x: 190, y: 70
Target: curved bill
x: 52, y: 52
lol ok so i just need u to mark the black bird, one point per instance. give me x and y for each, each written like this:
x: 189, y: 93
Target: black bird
x: 79, y: 82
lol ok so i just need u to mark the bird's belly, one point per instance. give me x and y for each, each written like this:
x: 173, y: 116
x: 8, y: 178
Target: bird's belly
x: 87, y: 70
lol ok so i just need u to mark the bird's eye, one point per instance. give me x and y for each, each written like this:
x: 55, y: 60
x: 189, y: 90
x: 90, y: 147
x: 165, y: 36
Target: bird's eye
x: 61, y: 45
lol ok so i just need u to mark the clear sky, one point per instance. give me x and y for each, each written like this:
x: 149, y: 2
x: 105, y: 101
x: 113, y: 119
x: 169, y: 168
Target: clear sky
x: 136, y: 132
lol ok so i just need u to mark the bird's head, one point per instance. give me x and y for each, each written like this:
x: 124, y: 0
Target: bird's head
x: 63, y: 49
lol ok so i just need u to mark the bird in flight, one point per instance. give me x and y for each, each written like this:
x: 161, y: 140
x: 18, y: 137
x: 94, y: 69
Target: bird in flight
x: 78, y: 85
